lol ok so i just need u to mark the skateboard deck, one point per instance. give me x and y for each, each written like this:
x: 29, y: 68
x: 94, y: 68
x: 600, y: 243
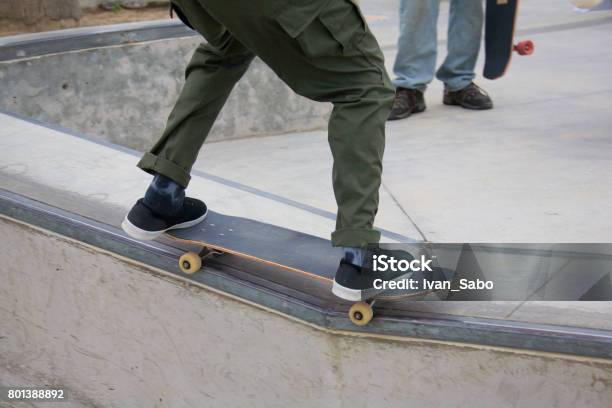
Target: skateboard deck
x: 291, y: 251
x: 500, y: 21
x: 260, y: 242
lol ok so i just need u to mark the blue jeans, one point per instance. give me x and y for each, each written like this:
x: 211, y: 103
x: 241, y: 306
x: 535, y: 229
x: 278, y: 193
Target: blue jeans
x: 417, y: 45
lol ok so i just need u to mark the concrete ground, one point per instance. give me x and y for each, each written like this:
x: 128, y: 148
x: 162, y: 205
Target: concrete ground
x: 534, y: 169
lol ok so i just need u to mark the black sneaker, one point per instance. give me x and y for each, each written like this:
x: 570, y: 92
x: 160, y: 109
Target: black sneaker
x: 357, y: 283
x: 144, y: 224
x: 406, y: 102
x: 470, y: 97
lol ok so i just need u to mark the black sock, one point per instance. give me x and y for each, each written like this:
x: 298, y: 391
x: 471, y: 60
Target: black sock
x: 355, y: 256
x: 164, y: 196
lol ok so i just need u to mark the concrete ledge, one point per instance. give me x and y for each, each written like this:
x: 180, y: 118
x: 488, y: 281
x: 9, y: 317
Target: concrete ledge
x: 120, y: 83
x: 306, y: 307
x: 116, y: 332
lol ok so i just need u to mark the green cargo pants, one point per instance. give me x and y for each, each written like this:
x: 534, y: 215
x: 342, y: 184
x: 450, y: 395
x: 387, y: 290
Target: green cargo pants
x: 324, y: 50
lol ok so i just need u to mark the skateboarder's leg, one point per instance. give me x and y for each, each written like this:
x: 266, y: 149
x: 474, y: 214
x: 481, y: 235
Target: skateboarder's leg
x: 417, y: 44
x: 339, y: 61
x: 325, y: 51
x: 464, y: 38
x: 211, y: 74
x: 213, y: 71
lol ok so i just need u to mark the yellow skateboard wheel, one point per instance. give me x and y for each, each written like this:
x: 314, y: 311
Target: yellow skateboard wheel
x: 190, y: 263
x: 361, y: 313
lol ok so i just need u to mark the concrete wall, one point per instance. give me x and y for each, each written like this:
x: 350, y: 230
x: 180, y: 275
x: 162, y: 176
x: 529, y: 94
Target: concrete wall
x: 33, y: 12
x: 124, y: 94
x: 123, y: 3
x: 116, y: 334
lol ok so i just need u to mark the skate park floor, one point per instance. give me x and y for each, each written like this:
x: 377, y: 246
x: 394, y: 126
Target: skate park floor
x: 533, y: 169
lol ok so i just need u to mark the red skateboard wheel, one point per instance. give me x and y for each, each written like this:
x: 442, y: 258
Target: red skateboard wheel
x: 524, y: 47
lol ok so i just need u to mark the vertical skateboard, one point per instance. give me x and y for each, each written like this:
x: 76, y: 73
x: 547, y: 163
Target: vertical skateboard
x: 500, y: 21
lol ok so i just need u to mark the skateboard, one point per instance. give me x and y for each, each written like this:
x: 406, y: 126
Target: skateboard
x: 308, y: 257
x: 500, y: 21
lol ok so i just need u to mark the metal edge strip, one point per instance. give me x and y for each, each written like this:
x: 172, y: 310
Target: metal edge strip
x: 51, y: 42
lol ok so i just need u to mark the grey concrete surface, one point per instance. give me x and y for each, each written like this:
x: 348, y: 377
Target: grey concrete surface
x: 533, y: 169
x: 125, y: 93
x: 123, y: 3
x: 115, y: 333
x: 101, y: 182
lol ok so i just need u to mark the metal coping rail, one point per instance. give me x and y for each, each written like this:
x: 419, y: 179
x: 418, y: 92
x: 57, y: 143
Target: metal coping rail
x: 426, y: 326
x: 51, y: 42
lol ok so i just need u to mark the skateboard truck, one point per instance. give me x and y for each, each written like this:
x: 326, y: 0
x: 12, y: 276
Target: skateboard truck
x: 191, y: 262
x: 524, y: 47
x: 361, y: 313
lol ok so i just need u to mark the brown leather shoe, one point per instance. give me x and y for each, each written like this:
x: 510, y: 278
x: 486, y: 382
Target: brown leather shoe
x: 470, y: 97
x: 407, y: 102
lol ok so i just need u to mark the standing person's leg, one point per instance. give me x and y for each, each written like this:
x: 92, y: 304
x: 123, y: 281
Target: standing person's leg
x: 464, y: 37
x: 416, y: 55
x: 415, y: 62
x: 457, y: 70
x: 210, y: 76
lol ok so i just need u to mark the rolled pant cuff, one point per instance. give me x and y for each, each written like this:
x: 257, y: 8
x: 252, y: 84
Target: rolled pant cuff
x: 357, y: 238
x: 397, y: 83
x: 458, y: 85
x: 155, y: 164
